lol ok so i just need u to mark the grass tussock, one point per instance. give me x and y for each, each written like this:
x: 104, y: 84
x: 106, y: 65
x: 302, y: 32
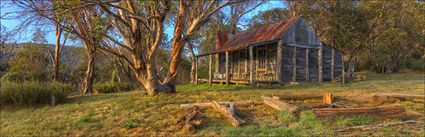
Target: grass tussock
x: 33, y: 93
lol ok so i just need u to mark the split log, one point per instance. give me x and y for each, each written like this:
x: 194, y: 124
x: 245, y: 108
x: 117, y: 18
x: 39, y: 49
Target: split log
x: 297, y: 97
x: 229, y: 111
x: 187, y: 120
x: 369, y: 127
x: 327, y: 98
x: 279, y: 105
x: 209, y: 104
x: 396, y: 110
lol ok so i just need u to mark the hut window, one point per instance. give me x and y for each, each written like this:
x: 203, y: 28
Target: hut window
x: 261, y: 57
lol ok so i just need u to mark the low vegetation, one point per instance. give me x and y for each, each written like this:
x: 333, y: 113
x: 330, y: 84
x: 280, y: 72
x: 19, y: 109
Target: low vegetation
x: 112, y: 87
x: 136, y: 114
x: 33, y: 93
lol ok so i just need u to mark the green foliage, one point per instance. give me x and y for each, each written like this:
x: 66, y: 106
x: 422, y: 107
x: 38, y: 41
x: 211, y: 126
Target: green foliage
x: 286, y: 116
x: 355, y: 121
x: 81, y: 120
x: 112, y: 87
x: 306, y: 126
x: 29, y: 93
x: 30, y: 63
x: 132, y: 123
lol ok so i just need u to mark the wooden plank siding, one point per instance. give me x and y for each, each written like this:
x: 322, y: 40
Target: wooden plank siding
x: 300, y: 67
x: 327, y: 63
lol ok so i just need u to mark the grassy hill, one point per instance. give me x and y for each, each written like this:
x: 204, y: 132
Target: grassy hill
x: 135, y: 114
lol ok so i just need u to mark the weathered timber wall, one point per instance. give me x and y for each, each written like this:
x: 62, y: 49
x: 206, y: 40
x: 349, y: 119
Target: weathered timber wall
x: 327, y: 66
x: 338, y: 64
x: 300, y: 66
x: 287, y: 64
x: 313, y: 65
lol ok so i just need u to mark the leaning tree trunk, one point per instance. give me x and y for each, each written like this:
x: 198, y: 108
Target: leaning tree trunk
x: 88, y: 78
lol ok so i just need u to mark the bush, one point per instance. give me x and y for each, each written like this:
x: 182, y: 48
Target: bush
x: 112, y: 87
x: 32, y: 92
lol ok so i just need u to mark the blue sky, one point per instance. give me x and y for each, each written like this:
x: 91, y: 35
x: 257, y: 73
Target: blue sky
x: 169, y: 30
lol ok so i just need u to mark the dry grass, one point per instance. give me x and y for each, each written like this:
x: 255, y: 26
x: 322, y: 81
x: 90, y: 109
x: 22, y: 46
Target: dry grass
x: 134, y: 114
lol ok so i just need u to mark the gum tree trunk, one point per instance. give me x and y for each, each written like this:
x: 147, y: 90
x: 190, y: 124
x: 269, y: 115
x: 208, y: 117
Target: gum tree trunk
x: 88, y: 77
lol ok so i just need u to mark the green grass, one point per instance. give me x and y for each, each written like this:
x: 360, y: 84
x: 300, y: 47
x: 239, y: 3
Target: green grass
x: 135, y: 114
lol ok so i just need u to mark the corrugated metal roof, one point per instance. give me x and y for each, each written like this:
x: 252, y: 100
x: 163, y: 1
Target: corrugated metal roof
x: 264, y: 33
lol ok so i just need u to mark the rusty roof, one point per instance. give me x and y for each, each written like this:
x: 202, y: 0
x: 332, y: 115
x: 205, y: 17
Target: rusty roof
x: 264, y: 33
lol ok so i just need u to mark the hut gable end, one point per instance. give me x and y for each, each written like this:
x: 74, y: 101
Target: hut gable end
x: 301, y: 33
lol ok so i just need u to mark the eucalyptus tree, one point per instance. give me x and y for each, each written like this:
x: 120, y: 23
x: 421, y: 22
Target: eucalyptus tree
x: 140, y: 25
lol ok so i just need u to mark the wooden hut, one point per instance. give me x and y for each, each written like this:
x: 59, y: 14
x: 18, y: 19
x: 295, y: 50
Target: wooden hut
x: 286, y: 51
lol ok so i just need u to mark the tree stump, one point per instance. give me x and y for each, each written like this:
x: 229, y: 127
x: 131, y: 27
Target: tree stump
x: 327, y: 99
x: 187, y: 120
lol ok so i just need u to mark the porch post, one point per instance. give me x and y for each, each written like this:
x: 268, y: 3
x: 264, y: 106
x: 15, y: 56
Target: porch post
x: 333, y: 65
x: 343, y: 71
x: 210, y: 70
x: 251, y: 65
x: 196, y: 70
x: 227, y: 68
x: 307, y: 69
x: 294, y: 64
x: 279, y: 62
x: 319, y: 58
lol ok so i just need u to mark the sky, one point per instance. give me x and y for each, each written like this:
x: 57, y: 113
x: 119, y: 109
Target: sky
x: 10, y: 24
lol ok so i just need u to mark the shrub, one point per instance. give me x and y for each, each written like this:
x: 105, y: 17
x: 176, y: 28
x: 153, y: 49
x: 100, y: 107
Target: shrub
x: 111, y: 87
x: 32, y: 92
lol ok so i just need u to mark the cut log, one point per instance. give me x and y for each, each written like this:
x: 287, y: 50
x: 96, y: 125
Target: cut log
x: 209, y: 104
x: 327, y: 98
x: 298, y: 97
x: 396, y: 110
x: 369, y: 127
x: 379, y: 99
x: 187, y: 120
x: 279, y: 105
x: 229, y: 111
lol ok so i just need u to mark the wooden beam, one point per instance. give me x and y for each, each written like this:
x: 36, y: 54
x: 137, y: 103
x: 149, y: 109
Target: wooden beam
x: 196, y: 70
x: 307, y: 69
x: 320, y: 63
x: 280, y: 105
x: 279, y: 61
x: 343, y: 67
x: 391, y: 111
x: 251, y: 66
x: 333, y: 65
x: 294, y: 64
x: 210, y: 70
x: 227, y: 68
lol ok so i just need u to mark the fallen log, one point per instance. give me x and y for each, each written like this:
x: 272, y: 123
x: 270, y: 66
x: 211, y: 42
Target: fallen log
x: 297, y: 97
x: 396, y: 110
x: 280, y: 105
x: 405, y: 96
x: 229, y: 111
x: 209, y: 104
x: 187, y: 120
x: 369, y: 127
